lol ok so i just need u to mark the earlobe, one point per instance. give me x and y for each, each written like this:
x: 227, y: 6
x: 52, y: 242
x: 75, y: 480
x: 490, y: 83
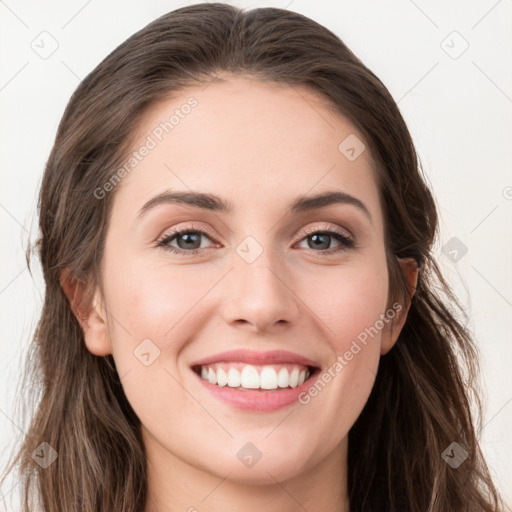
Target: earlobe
x: 90, y: 314
x: 410, y: 271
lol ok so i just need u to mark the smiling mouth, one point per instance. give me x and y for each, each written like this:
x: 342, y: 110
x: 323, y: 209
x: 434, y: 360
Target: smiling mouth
x: 243, y: 376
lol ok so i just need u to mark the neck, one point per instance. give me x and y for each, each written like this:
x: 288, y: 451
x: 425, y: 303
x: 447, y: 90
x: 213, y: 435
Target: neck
x: 175, y: 485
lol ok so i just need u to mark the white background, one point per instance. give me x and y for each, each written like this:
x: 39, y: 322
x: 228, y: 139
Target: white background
x: 458, y: 111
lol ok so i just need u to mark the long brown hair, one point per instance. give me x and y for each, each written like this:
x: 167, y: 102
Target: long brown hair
x: 425, y: 386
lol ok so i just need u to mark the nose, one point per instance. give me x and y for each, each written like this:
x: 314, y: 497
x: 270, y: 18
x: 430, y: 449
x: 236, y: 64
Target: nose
x: 259, y: 296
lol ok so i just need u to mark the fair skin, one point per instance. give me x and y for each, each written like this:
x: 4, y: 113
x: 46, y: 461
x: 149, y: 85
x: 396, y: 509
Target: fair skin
x: 259, y: 146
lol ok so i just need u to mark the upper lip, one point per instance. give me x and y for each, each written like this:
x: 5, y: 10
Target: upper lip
x: 258, y: 358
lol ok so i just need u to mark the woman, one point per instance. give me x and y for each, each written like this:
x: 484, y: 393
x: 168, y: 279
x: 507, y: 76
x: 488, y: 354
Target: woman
x: 298, y: 355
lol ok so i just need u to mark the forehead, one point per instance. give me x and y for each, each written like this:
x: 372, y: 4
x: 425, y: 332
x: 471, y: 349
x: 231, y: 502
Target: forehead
x: 249, y: 141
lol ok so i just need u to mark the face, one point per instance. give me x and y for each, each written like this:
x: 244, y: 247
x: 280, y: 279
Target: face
x: 247, y: 337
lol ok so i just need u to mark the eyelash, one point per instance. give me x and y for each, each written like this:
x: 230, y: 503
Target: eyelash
x: 345, y: 241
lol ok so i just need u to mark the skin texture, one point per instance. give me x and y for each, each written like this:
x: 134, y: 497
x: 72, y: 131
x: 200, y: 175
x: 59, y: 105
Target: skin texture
x: 260, y: 146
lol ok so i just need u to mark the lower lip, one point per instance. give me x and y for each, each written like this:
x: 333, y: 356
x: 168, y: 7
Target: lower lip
x: 257, y: 400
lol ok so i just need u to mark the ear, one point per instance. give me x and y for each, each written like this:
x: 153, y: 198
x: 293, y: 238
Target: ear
x: 92, y: 316
x: 409, y: 268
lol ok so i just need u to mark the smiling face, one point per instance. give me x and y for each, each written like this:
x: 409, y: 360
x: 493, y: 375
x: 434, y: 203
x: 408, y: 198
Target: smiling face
x: 295, y: 282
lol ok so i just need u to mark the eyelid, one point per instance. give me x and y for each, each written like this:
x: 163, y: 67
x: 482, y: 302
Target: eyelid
x: 329, y: 229
x: 308, y: 231
x: 180, y: 229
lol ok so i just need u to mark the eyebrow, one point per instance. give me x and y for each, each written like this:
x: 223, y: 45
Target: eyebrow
x: 215, y: 203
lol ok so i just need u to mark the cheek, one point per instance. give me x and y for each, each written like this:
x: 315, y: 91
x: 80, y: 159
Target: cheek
x: 349, y: 303
x: 153, y: 301
x: 154, y: 311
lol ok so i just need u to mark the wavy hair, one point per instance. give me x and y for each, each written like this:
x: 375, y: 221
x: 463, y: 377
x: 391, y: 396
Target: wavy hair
x: 426, y: 385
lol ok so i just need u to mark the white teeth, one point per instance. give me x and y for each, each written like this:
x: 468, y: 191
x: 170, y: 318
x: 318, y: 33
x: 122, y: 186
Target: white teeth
x: 250, y: 378
x: 268, y: 378
x: 233, y: 378
x: 294, y: 378
x: 283, y: 378
x: 212, y: 376
x: 222, y: 378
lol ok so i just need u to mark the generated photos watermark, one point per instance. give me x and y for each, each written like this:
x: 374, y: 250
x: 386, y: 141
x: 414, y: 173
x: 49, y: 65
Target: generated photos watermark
x: 151, y: 142
x: 343, y: 360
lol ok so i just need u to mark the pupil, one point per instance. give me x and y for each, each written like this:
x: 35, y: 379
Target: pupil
x: 316, y: 238
x: 188, y: 238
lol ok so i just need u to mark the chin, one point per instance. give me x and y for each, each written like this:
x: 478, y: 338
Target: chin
x: 250, y: 465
